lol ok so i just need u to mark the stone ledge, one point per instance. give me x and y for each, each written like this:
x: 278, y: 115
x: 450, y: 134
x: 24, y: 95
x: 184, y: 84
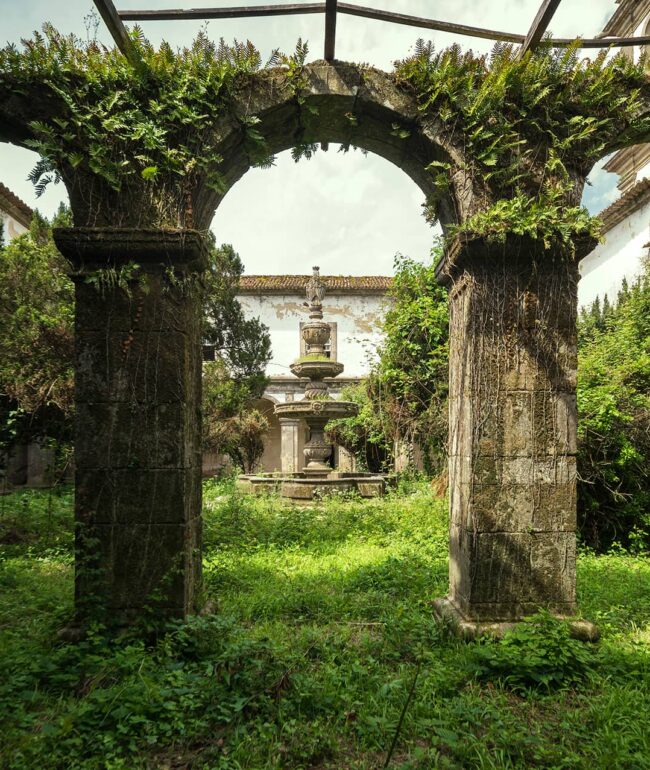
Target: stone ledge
x: 446, y: 611
x: 520, y: 251
x: 93, y: 248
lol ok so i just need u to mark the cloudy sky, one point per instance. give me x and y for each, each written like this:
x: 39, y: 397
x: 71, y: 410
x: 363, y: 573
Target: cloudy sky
x: 350, y: 212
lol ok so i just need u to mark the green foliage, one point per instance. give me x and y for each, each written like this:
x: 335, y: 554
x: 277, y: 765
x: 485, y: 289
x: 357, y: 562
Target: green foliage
x: 406, y: 392
x: 614, y: 419
x: 128, y: 127
x: 530, y: 130
x: 366, y: 434
x: 36, y: 335
x: 231, y: 425
x: 538, y: 653
x: 324, y: 616
x: 244, y: 344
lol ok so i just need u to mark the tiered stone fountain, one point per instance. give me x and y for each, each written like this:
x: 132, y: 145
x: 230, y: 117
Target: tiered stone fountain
x: 316, y: 408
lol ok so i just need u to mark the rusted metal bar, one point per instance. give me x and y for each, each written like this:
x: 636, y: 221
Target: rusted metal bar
x: 351, y: 9
x: 235, y: 12
x: 111, y: 18
x: 330, y: 29
x: 417, y: 21
x: 539, y: 26
x: 599, y: 42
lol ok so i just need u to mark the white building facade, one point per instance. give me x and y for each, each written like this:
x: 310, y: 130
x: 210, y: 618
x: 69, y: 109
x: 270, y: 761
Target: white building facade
x: 627, y: 221
x: 15, y: 215
x: 353, y: 305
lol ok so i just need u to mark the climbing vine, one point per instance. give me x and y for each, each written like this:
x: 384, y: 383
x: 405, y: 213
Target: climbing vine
x: 519, y: 136
x: 528, y: 131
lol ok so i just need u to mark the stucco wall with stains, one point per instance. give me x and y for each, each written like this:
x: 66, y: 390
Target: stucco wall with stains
x: 358, y: 327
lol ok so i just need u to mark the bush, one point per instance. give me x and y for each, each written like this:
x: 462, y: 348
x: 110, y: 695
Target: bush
x: 537, y: 654
x: 614, y: 420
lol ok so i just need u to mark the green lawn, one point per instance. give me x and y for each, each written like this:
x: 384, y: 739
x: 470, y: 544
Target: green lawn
x: 322, y: 619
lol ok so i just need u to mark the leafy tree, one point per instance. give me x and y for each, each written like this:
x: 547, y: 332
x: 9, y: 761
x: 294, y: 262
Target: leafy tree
x: 236, y: 377
x: 231, y: 425
x: 36, y: 335
x: 406, y: 393
x: 242, y: 343
x: 614, y: 419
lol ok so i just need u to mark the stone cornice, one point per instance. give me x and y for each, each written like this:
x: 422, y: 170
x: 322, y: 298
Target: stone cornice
x: 466, y: 250
x: 94, y: 248
x: 627, y: 17
x: 627, y: 204
x: 627, y: 162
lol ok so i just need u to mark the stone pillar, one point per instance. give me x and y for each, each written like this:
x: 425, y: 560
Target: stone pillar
x: 137, y: 420
x: 347, y: 462
x: 290, y: 450
x: 16, y: 473
x: 512, y: 434
x: 40, y: 464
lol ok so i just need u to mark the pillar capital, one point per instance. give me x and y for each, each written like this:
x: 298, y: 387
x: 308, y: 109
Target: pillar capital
x: 154, y: 250
x: 466, y: 251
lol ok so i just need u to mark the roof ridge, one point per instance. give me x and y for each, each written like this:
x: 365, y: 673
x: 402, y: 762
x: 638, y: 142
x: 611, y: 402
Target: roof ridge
x: 296, y: 283
x: 13, y: 200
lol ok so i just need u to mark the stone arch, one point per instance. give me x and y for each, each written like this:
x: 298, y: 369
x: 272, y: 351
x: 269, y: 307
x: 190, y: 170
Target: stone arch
x: 340, y: 103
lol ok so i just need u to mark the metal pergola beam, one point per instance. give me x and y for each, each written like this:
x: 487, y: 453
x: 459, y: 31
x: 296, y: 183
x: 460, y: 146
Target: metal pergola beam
x: 234, y: 12
x: 114, y: 24
x: 351, y: 9
x: 539, y: 26
x: 330, y: 29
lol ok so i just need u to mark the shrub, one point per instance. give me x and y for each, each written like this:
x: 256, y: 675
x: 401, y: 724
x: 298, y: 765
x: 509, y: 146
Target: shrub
x: 537, y: 654
x: 614, y: 420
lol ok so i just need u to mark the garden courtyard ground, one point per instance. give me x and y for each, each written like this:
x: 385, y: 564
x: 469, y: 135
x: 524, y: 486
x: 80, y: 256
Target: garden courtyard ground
x: 321, y: 651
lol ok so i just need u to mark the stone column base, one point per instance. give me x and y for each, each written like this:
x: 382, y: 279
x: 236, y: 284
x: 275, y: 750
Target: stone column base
x: 445, y: 610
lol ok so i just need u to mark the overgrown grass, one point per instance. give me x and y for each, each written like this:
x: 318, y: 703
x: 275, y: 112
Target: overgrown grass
x: 323, y: 619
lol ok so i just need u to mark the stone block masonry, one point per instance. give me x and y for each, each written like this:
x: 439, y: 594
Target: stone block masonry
x: 512, y: 441
x: 137, y: 420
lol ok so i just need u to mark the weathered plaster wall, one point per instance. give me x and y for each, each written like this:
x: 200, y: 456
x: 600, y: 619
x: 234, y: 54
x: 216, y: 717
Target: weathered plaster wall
x: 358, y: 319
x: 602, y: 271
x: 10, y: 227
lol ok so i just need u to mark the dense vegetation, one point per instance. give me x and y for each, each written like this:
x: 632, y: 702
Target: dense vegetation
x: 405, y: 397
x: 530, y: 131
x: 614, y: 419
x: 36, y: 339
x: 322, y: 629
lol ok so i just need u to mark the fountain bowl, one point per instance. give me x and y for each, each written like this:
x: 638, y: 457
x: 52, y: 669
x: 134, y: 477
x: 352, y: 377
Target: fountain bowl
x: 303, y: 488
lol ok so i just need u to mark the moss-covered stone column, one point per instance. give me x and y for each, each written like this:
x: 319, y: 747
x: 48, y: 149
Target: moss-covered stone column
x: 512, y: 434
x: 137, y: 419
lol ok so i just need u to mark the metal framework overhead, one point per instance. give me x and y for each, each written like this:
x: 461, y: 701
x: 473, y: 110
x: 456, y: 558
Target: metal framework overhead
x: 114, y: 20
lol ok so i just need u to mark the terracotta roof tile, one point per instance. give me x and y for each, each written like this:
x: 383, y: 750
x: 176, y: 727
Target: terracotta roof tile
x: 627, y: 204
x: 296, y: 284
x: 14, y: 206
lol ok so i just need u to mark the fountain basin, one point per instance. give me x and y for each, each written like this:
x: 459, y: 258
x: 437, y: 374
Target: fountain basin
x: 326, y: 409
x: 302, y: 487
x: 316, y: 369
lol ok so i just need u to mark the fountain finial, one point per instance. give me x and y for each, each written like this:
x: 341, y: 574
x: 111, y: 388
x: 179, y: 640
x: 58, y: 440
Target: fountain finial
x: 315, y: 293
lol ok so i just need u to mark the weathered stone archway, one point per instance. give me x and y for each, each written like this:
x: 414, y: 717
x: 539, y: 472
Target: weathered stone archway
x: 513, y: 357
